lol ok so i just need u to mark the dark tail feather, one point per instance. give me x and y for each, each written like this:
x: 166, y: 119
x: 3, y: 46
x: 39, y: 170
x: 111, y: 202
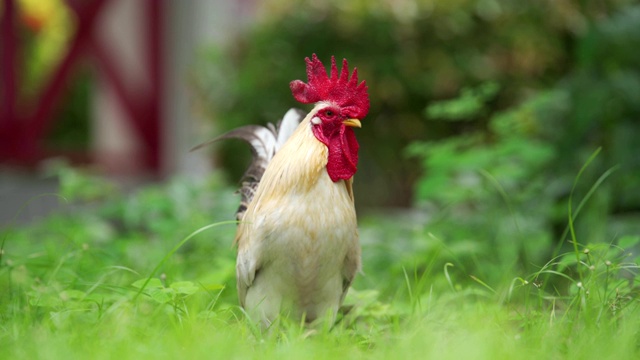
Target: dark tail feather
x: 265, y: 142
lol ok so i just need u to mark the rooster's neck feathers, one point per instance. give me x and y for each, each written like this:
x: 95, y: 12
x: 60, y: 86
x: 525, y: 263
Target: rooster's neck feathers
x: 296, y: 167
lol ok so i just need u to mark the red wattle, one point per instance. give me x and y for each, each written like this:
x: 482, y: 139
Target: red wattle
x: 343, y: 154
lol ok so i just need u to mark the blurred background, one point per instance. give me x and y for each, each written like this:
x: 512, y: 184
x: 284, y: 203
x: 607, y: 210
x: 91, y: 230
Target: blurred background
x: 483, y: 112
x: 105, y: 85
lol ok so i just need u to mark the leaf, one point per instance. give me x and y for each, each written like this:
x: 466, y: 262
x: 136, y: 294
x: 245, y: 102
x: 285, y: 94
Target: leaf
x: 161, y: 296
x: 153, y: 283
x: 628, y: 241
x: 470, y: 104
x: 184, y: 287
x: 566, y: 261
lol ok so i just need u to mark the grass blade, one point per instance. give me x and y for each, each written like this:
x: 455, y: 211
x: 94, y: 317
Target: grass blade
x: 175, y: 248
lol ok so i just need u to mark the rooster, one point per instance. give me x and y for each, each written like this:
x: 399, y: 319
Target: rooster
x: 297, y: 238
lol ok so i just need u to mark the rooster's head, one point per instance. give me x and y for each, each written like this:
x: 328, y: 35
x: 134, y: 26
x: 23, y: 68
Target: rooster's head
x: 341, y: 104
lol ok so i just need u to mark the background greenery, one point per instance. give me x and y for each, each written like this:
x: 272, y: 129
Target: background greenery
x: 579, y: 55
x: 501, y: 216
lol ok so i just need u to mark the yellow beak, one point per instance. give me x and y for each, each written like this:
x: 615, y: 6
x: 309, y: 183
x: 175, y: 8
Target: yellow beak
x: 353, y: 123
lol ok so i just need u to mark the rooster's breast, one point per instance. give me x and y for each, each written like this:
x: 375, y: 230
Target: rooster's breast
x: 305, y: 238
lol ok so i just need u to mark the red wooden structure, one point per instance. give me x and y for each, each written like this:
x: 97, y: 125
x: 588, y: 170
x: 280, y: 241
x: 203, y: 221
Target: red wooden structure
x: 23, y: 126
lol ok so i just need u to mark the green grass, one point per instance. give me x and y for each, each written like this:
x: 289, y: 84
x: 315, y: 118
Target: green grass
x: 151, y: 276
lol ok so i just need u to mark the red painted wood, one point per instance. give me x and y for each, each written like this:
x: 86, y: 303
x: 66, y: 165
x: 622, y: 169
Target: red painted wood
x: 154, y: 33
x: 8, y: 88
x: 22, y: 139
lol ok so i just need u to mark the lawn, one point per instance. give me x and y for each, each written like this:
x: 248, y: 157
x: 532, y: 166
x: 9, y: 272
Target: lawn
x: 151, y: 275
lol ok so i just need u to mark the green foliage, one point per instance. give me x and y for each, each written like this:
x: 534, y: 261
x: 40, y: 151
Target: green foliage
x: 71, y: 130
x: 80, y: 185
x: 107, y: 282
x: 410, y: 54
x: 490, y: 187
x: 470, y: 104
x: 509, y: 182
x: 176, y: 293
x: 102, y: 252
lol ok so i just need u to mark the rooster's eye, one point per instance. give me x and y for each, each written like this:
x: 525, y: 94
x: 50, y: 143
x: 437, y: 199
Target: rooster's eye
x: 329, y: 113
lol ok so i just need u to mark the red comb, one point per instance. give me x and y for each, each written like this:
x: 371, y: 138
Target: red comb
x: 346, y: 93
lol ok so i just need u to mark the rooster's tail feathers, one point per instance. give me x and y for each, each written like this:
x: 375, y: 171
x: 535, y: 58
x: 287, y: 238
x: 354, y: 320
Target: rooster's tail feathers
x: 265, y: 142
